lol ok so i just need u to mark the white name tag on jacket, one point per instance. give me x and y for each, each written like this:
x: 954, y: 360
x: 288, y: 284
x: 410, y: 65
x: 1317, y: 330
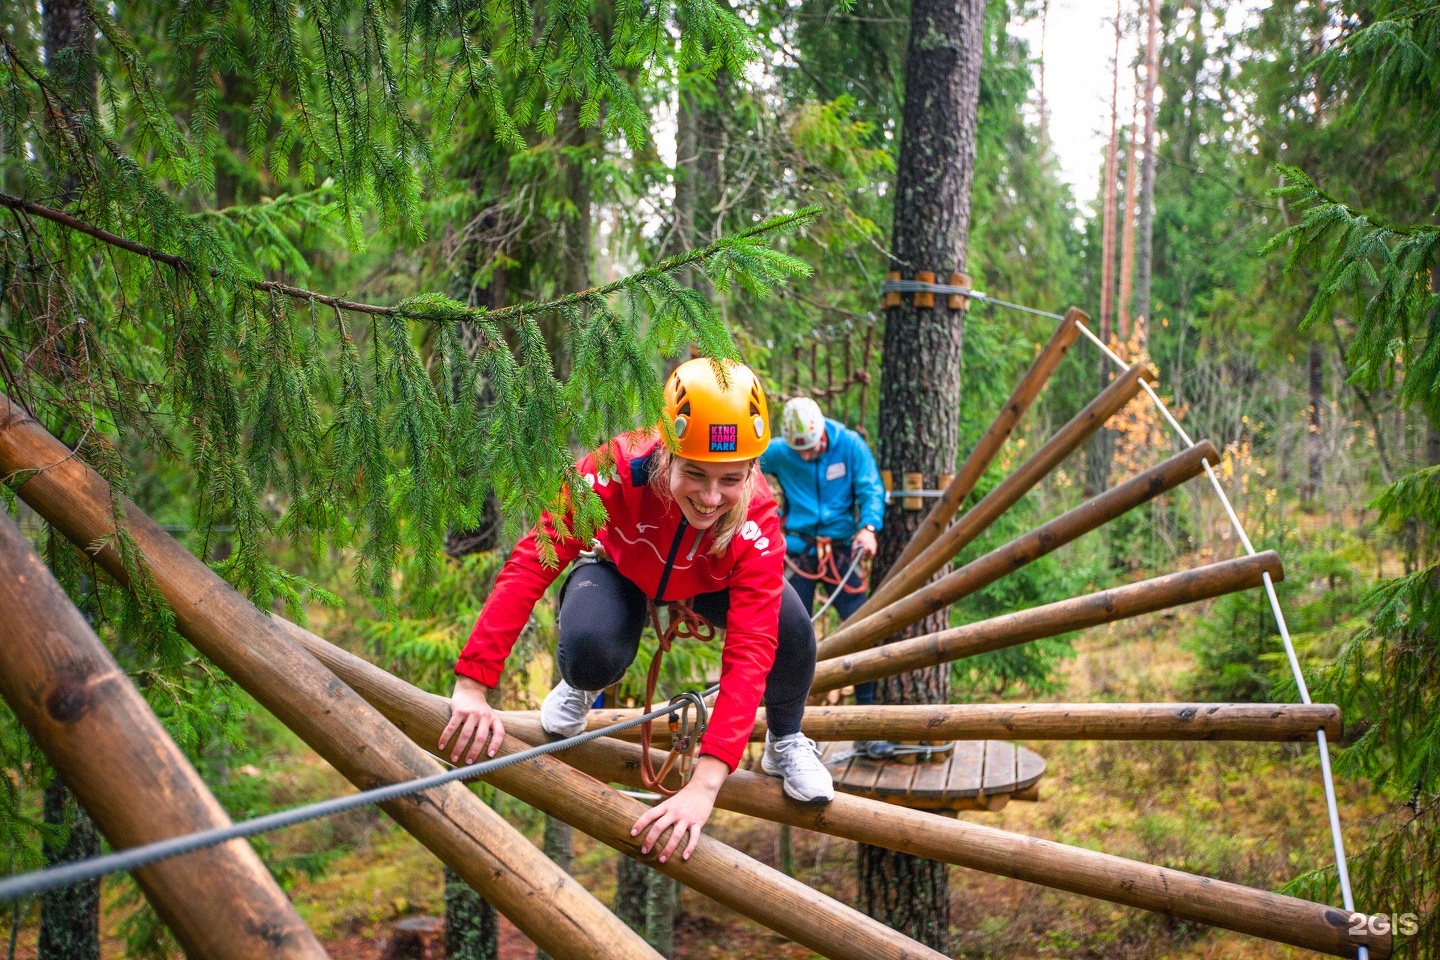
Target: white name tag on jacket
x: 835, y: 471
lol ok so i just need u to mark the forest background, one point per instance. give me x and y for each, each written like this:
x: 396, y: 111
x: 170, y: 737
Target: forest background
x: 470, y: 166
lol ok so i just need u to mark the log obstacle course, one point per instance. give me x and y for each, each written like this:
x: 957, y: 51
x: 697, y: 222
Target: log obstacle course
x: 376, y: 729
x: 114, y: 754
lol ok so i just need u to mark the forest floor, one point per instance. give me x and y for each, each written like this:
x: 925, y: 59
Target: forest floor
x: 1249, y: 813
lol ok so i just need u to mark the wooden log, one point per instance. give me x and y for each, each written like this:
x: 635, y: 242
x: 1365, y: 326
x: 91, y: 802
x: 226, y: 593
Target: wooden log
x: 958, y: 301
x: 720, y: 872
x: 1062, y: 867
x: 985, y: 570
x: 1049, y: 620
x: 112, y: 751
x: 497, y: 860
x: 893, y: 298
x: 1059, y: 866
x: 924, y: 299
x: 912, y: 481
x: 978, y: 518
x: 1255, y: 722
x: 993, y: 439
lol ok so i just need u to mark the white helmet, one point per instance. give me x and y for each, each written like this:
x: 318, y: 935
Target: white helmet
x: 802, y: 424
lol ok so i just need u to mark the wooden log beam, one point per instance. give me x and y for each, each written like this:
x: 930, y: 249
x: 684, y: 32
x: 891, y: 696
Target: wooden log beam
x: 1049, y: 620
x: 978, y: 518
x: 1257, y: 722
x: 1116, y: 879
x: 1059, y: 866
x: 857, y: 634
x: 993, y: 439
x: 112, y: 751
x: 497, y: 860
x: 720, y: 872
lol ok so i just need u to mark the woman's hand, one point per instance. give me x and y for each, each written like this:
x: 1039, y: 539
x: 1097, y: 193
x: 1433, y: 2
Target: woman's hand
x: 473, y: 719
x: 687, y: 811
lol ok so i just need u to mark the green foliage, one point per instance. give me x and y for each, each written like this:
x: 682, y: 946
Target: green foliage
x: 1384, y: 270
x: 1377, y: 258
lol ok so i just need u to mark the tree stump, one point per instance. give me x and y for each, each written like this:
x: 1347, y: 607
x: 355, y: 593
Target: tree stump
x: 412, y: 938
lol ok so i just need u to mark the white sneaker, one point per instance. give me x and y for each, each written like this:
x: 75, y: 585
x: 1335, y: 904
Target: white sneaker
x: 796, y: 759
x: 564, y: 711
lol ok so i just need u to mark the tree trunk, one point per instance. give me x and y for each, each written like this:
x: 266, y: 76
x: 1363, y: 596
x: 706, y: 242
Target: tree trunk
x: 69, y: 917
x: 1127, y: 227
x: 1044, y: 105
x: 630, y: 892
x: 1112, y: 173
x: 1101, y: 447
x: 920, y: 375
x: 472, y: 927
x: 1146, y: 227
x: 1314, y: 443
x: 69, y: 34
x: 662, y: 905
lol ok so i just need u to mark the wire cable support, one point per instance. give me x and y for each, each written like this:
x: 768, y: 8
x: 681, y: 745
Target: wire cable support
x: 82, y: 871
x: 1327, y: 778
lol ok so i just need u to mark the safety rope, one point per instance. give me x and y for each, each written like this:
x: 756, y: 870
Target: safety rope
x: 1327, y: 779
x: 684, y: 623
x: 83, y: 871
x: 854, y: 562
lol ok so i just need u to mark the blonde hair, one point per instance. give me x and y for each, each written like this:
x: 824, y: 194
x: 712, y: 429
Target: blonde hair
x: 730, y: 522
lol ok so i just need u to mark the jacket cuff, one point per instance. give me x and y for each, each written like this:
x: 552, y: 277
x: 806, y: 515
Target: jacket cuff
x: 489, y: 676
x: 726, y: 754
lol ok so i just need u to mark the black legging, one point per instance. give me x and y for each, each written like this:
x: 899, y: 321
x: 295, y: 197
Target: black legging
x: 602, y: 615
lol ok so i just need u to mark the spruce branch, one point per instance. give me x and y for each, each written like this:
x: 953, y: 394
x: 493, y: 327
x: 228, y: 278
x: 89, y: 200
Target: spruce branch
x: 441, y: 309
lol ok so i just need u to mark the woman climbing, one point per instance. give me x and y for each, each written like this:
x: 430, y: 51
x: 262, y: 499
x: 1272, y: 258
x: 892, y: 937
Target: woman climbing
x: 695, y: 525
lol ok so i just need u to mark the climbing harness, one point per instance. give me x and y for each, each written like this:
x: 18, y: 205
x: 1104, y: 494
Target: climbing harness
x: 684, y: 623
x: 827, y: 571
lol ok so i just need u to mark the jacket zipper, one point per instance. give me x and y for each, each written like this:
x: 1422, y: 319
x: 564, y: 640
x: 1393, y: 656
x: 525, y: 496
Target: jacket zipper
x: 670, y: 560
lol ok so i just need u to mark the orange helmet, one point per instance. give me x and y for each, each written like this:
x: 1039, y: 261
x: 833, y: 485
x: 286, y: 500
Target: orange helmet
x: 715, y: 422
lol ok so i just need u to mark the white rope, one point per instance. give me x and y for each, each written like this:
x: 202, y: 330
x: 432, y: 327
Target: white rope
x: 1332, y: 806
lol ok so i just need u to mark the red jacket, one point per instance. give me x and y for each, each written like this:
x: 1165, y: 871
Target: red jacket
x: 638, y: 536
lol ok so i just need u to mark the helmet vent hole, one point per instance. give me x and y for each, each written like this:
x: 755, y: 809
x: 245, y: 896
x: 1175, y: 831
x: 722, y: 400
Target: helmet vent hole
x: 684, y: 410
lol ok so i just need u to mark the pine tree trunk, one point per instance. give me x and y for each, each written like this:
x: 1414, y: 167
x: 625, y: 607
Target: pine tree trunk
x: 662, y: 905
x: 1145, y: 253
x: 1314, y: 443
x: 1112, y: 174
x: 1043, y: 104
x: 69, y: 35
x: 921, y: 373
x: 1101, y: 446
x: 472, y: 927
x: 631, y: 893
x: 1127, y: 227
x: 69, y: 917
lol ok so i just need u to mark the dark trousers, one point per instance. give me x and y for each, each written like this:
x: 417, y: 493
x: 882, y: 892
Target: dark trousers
x: 844, y: 605
x: 602, y: 615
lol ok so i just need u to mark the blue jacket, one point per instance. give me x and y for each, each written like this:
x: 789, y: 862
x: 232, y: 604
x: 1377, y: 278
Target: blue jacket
x: 823, y: 496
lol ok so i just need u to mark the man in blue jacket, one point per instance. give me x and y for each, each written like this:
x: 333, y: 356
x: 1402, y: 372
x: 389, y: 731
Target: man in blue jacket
x: 832, y: 490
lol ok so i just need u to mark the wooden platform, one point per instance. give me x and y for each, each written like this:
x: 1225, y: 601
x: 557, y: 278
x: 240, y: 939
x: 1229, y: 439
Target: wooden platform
x: 978, y: 775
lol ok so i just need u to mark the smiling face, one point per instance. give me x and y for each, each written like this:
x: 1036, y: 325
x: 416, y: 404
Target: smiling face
x: 706, y: 490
